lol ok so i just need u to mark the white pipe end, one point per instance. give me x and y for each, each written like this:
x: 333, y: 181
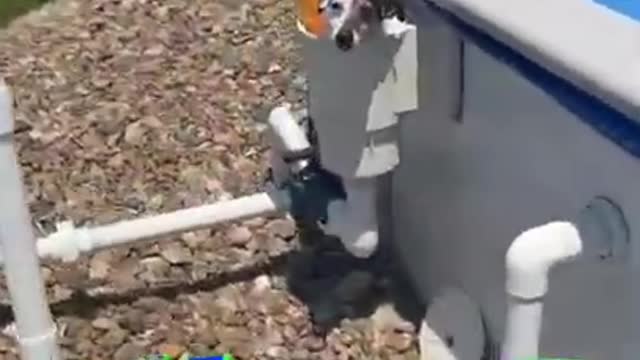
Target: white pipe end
x: 534, y: 252
x: 6, y: 110
x: 286, y: 135
x: 289, y: 134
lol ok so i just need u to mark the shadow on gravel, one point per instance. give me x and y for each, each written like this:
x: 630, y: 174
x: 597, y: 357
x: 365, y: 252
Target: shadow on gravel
x: 86, y: 305
x: 335, y: 285
x: 332, y: 283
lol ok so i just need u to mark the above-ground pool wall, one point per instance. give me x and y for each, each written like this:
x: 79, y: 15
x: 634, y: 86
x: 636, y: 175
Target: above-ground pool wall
x: 465, y: 189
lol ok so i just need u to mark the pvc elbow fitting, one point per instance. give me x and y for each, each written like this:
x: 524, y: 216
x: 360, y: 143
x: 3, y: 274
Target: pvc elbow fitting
x: 534, y: 252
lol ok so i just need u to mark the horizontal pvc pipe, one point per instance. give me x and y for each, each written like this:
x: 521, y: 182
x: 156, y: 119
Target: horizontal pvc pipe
x: 68, y: 243
x: 36, y: 332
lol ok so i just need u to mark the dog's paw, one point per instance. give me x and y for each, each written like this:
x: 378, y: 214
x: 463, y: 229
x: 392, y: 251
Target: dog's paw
x: 395, y: 27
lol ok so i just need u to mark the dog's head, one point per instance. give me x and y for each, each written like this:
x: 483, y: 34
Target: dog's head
x: 349, y: 20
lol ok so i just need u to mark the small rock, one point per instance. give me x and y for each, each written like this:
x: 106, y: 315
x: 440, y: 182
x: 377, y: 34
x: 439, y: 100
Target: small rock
x: 206, y: 337
x: 198, y: 349
x: 156, y: 202
x: 255, y: 222
x: 272, y: 333
x: 387, y: 318
x: 47, y: 275
x: 397, y: 341
x: 129, y: 351
x: 61, y: 292
x: 411, y: 354
x: 104, y: 324
x: 314, y: 343
x: 113, y: 338
x: 195, y: 239
x: 175, y: 254
x: 300, y: 82
x: 76, y: 327
x: 123, y: 274
x: 238, y: 235
x: 152, y: 303
x: 300, y: 354
x: 291, y: 335
x: 73, y: 277
x: 283, y: 228
x: 172, y: 350
x: 273, y: 68
x: 233, y: 336
x: 99, y: 266
x: 275, y: 246
x: 157, y: 268
x: 133, y: 320
x: 134, y: 133
x: 261, y: 283
x: 277, y: 352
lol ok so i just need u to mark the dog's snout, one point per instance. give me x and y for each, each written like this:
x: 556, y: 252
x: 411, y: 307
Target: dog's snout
x: 344, y: 40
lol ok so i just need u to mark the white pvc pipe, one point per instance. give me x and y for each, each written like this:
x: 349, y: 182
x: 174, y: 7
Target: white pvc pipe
x: 524, y: 321
x: 69, y: 242
x: 286, y: 136
x: 355, y: 221
x: 36, y: 331
x: 528, y: 262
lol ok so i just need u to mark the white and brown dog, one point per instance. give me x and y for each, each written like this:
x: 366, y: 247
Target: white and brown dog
x: 351, y: 20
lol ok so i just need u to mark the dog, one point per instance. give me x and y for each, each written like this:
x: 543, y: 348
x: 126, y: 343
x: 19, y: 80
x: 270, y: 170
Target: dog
x: 351, y: 20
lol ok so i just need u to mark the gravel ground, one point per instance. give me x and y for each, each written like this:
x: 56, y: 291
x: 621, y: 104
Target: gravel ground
x: 171, y: 96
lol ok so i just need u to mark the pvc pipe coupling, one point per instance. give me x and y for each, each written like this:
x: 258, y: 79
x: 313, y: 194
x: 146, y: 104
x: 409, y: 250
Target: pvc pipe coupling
x: 67, y: 243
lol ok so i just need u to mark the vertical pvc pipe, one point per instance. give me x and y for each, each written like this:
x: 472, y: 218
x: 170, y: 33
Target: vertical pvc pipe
x: 522, y: 330
x: 36, y: 332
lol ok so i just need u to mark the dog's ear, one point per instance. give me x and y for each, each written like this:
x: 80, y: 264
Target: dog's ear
x: 387, y: 9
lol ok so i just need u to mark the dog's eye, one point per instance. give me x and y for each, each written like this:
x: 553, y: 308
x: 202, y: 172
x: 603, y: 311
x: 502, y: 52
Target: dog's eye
x: 335, y: 6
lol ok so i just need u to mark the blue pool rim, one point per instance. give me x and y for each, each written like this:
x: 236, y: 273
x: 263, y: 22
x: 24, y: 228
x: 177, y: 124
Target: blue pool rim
x: 630, y: 8
x: 611, y: 123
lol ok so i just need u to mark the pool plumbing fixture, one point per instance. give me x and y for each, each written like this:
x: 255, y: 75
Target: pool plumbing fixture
x: 599, y: 233
x: 300, y: 187
x: 36, y: 331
